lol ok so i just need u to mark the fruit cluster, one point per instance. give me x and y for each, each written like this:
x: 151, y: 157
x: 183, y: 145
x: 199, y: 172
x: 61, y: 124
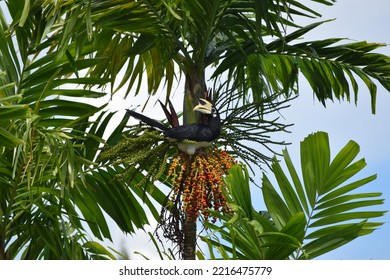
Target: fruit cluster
x: 199, y: 181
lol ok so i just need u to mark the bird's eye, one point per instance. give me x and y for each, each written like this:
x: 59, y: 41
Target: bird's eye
x: 201, y: 101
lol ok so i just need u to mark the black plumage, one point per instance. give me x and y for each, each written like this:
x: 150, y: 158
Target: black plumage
x: 204, y: 132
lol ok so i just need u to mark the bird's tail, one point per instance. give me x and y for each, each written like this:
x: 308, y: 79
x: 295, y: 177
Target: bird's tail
x: 147, y: 120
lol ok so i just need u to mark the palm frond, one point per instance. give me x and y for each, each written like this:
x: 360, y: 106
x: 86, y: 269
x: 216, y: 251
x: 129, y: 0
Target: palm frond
x: 324, y: 195
x: 48, y: 143
x: 329, y: 68
x: 306, y: 216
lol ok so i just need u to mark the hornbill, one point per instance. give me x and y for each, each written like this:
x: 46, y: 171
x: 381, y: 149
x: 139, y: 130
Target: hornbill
x: 202, y: 133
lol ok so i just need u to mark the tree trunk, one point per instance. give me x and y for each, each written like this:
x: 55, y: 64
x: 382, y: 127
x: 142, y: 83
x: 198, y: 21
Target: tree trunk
x: 194, y: 89
x: 189, y: 230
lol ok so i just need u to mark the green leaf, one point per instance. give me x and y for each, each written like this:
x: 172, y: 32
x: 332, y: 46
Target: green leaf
x: 13, y: 112
x: 344, y: 198
x: 143, y: 44
x: 332, y: 205
x: 97, y: 248
x: 276, y: 206
x: 286, y: 188
x: 237, y: 182
x: 281, y: 246
x: 346, y: 207
x: 329, y: 241
x: 296, y: 182
x: 342, y: 217
x: 8, y: 139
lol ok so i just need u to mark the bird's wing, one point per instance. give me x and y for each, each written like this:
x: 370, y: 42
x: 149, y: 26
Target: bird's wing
x: 193, y: 132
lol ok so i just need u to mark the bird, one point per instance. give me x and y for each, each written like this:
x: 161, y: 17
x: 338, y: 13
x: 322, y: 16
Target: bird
x: 189, y: 137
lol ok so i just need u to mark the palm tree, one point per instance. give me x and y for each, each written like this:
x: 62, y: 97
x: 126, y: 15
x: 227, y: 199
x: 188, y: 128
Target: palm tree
x: 51, y: 144
x: 51, y: 189
x: 315, y: 211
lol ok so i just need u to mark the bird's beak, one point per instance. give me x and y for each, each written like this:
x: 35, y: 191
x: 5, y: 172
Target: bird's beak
x: 204, y: 106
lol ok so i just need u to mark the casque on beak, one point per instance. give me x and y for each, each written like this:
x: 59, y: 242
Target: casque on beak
x: 204, y: 106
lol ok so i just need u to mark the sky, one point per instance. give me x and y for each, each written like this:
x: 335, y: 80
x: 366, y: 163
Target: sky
x: 356, y: 20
